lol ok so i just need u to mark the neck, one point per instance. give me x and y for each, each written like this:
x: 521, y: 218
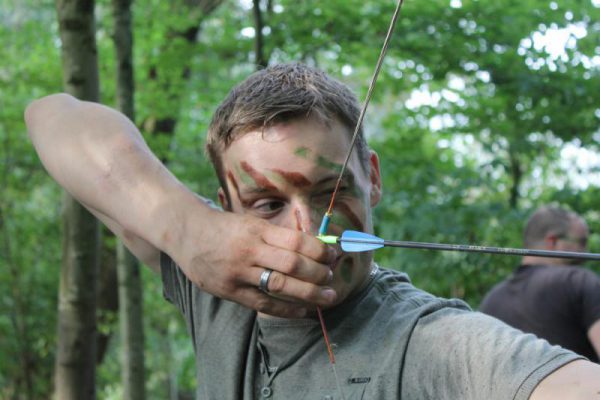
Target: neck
x: 532, y: 260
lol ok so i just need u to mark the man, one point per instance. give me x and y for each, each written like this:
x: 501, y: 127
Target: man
x: 551, y: 297
x: 277, y: 143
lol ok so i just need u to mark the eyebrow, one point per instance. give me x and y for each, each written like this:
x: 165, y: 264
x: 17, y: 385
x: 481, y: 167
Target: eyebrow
x: 254, y: 190
x: 296, y: 179
x: 348, y: 178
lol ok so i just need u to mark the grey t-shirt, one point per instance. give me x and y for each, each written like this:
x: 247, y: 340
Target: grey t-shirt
x: 391, y: 341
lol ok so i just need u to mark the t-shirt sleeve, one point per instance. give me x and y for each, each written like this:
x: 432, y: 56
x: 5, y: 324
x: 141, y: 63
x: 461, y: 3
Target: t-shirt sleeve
x: 473, y: 356
x: 177, y: 288
x: 173, y: 282
x: 198, y: 308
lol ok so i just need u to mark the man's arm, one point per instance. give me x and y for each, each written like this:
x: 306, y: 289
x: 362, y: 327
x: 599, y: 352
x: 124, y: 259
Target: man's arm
x: 101, y: 159
x: 578, y: 380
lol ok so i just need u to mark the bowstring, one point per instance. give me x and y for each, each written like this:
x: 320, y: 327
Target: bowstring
x: 361, y: 116
x: 323, y: 228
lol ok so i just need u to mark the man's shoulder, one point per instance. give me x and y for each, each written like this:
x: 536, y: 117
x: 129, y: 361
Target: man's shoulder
x: 578, y: 271
x: 544, y: 274
x: 396, y: 289
x: 497, y: 293
x: 567, y: 274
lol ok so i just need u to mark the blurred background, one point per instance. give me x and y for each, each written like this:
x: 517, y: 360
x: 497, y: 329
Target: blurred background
x: 483, y: 111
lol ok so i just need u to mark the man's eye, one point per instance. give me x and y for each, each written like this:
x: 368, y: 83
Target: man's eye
x: 267, y: 207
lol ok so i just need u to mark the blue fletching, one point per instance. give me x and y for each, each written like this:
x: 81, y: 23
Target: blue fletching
x: 354, y: 241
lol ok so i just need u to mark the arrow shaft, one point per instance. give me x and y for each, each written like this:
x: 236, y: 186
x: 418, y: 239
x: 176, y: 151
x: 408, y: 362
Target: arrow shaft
x: 479, y: 249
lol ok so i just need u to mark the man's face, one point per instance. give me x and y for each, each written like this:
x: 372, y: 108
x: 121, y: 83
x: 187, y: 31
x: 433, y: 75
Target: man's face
x: 286, y: 174
x: 575, y: 239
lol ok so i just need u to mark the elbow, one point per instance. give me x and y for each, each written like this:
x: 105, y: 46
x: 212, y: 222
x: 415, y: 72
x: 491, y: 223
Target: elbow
x: 41, y: 110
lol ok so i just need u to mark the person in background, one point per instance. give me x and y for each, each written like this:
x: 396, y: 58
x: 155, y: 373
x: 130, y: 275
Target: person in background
x: 553, y: 298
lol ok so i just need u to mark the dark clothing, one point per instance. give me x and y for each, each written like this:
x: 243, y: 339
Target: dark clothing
x: 557, y: 303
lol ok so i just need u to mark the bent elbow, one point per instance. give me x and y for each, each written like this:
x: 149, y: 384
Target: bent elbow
x: 44, y: 108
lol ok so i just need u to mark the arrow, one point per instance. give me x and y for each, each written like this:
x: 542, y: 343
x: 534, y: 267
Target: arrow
x: 354, y: 241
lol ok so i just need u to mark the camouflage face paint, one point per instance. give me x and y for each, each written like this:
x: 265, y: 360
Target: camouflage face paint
x: 348, y: 214
x: 231, y: 178
x: 305, y: 152
x: 353, y: 190
x: 327, y: 164
x: 234, y: 183
x: 274, y: 177
x: 294, y: 178
x: 346, y: 270
x: 298, y: 216
x: 260, y: 180
x: 302, y: 152
x: 245, y: 178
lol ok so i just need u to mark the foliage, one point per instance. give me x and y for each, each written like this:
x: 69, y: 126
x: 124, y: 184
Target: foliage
x: 29, y: 206
x: 465, y: 165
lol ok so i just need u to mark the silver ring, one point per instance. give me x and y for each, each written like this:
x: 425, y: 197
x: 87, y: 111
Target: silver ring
x: 263, y: 284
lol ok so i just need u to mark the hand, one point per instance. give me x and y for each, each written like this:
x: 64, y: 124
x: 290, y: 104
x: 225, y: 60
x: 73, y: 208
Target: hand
x: 228, y: 259
x: 101, y: 159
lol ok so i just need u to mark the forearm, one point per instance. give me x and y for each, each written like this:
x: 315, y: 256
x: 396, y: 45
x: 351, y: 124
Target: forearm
x: 100, y: 158
x: 577, y: 380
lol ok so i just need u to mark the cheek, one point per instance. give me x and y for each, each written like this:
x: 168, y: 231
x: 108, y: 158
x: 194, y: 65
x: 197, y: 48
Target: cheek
x: 346, y: 270
x: 354, y: 267
x: 350, y: 209
x: 349, y: 216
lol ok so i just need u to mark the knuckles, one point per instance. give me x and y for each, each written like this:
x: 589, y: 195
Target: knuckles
x: 246, y: 252
x: 290, y: 264
x: 277, y: 282
x: 263, y: 305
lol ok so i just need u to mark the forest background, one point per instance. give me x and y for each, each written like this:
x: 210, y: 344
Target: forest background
x: 483, y: 111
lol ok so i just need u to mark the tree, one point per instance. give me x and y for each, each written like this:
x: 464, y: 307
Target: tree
x: 450, y: 183
x: 128, y: 267
x: 76, y: 355
x: 261, y: 61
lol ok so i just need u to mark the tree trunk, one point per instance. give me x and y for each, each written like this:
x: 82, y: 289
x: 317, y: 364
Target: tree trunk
x: 128, y: 268
x: 123, y: 39
x: 107, y: 306
x: 516, y: 174
x: 164, y: 126
x: 74, y: 375
x: 132, y: 331
x: 259, y: 53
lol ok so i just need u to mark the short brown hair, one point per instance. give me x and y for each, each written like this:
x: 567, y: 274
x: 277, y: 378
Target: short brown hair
x: 281, y: 93
x: 547, y: 220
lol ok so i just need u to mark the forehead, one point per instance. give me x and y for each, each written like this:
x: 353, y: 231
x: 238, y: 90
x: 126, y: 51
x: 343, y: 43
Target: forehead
x: 291, y: 145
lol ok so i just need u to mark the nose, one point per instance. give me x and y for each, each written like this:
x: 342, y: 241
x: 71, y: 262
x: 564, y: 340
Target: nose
x: 304, y: 218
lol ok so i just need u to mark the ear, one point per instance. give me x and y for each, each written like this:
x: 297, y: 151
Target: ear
x: 223, y: 199
x: 375, y: 178
x: 550, y: 241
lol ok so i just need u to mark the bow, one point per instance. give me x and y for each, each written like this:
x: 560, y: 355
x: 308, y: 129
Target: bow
x: 327, y: 217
